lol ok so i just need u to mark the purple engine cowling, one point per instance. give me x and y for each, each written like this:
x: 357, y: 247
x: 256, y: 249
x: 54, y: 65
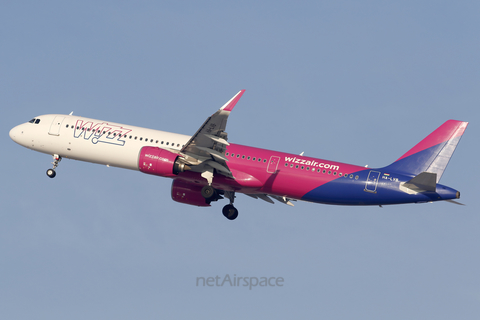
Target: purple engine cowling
x: 188, y: 193
x: 159, y: 162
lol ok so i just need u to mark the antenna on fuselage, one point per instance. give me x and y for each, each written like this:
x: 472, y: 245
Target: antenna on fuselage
x: 70, y: 113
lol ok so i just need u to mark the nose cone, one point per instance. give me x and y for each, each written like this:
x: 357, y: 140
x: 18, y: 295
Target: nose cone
x: 16, y: 133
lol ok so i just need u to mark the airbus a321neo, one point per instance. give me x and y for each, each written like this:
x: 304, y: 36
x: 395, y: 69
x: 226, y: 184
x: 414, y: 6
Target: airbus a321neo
x: 206, y: 167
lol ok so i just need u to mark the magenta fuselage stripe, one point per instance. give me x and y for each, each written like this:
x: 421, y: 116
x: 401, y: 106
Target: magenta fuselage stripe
x: 287, y: 177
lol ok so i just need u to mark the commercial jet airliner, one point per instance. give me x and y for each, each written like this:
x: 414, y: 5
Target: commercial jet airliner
x: 206, y: 167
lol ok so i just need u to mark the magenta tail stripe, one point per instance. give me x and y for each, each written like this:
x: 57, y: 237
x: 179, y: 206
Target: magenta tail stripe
x: 449, y: 130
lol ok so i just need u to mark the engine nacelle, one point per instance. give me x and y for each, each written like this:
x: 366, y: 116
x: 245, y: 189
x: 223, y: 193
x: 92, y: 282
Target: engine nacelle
x: 159, y: 162
x: 188, y: 193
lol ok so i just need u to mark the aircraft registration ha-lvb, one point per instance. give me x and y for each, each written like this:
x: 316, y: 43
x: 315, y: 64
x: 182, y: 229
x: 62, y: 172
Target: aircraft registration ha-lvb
x: 206, y: 167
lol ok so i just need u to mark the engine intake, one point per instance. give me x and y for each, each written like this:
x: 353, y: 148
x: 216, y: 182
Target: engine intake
x: 160, y: 162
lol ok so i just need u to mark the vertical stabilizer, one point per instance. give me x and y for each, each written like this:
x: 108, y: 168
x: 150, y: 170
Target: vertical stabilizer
x: 433, y: 153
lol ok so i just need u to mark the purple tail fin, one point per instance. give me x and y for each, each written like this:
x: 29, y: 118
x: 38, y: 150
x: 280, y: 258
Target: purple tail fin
x: 433, y: 153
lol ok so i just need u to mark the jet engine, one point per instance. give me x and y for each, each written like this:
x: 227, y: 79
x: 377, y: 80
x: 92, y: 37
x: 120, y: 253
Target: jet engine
x: 188, y: 193
x: 160, y: 162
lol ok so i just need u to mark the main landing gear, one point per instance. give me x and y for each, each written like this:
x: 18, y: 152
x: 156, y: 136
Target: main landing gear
x: 210, y: 194
x: 230, y: 212
x: 51, y: 172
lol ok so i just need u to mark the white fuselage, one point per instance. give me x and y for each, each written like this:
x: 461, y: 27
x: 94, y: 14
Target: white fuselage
x: 93, y: 140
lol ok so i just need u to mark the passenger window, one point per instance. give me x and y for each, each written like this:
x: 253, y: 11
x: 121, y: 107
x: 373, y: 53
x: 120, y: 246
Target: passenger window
x: 243, y: 157
x: 248, y: 158
x: 253, y: 158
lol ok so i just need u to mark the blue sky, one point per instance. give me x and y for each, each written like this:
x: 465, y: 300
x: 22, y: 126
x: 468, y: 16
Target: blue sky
x: 356, y: 82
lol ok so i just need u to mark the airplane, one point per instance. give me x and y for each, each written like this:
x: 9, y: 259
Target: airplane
x: 205, y: 167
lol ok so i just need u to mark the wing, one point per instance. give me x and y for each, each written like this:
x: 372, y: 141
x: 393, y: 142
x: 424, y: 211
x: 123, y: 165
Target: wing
x: 206, y: 148
x: 266, y: 197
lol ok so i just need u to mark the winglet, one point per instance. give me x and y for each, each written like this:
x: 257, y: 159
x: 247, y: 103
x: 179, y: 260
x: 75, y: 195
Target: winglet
x: 232, y: 102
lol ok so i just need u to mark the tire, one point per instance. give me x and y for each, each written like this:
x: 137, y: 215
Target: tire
x: 230, y: 212
x: 51, y: 173
x: 208, y: 192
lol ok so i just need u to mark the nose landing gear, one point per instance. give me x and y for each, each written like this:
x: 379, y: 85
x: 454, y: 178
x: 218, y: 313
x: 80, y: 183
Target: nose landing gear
x: 51, y: 172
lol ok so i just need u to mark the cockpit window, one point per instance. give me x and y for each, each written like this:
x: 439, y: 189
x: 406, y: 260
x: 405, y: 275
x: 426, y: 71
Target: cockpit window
x: 37, y: 121
x: 32, y: 121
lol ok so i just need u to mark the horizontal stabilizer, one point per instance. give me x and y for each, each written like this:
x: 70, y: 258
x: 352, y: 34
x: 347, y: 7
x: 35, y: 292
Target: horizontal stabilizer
x: 425, y: 181
x: 455, y: 202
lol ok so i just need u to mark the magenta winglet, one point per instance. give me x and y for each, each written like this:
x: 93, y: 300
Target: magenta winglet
x: 449, y: 130
x: 232, y: 102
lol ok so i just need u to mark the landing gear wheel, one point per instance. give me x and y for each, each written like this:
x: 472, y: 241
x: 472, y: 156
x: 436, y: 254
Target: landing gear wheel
x: 230, y: 212
x: 208, y: 192
x: 56, y: 159
x: 51, y: 173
